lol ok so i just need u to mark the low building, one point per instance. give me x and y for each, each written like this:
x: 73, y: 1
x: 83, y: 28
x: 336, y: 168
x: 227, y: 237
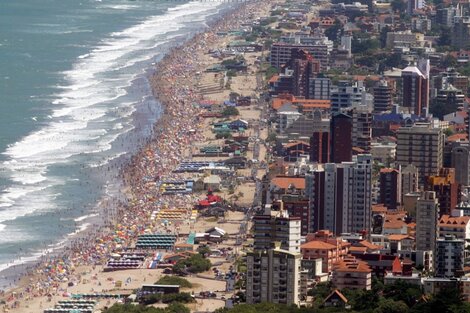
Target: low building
x: 353, y: 274
x: 330, y: 249
x: 336, y: 299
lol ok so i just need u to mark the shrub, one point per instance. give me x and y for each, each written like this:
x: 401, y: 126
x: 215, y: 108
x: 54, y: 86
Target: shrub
x: 228, y: 111
x: 174, y: 280
x: 194, y: 264
x: 182, y: 297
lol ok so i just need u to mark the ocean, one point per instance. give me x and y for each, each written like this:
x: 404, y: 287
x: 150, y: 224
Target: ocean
x: 75, y: 103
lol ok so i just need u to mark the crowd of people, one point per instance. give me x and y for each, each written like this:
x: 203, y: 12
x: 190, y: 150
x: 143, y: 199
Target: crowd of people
x: 174, y: 84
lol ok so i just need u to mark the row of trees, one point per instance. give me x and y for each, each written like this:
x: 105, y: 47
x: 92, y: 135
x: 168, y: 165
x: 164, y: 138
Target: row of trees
x: 129, y: 308
x: 400, y: 297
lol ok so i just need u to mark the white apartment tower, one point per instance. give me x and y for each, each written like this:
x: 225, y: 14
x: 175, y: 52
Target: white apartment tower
x: 341, y: 195
x: 273, y: 276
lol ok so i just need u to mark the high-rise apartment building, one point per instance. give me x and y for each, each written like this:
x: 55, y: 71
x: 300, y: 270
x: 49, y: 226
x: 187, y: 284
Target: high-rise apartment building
x: 461, y: 162
x: 320, y: 147
x: 413, y: 5
x: 340, y: 196
x: 273, y: 267
x: 341, y: 138
x: 267, y: 229
x: 273, y: 276
x: 445, y: 16
x: 416, y: 88
x: 409, y: 180
x: 421, y: 145
x: 281, y: 53
x: 319, y: 88
x: 305, y: 67
x: 390, y: 188
x: 446, y: 189
x: 348, y: 95
x: 450, y: 97
x: 382, y: 97
x: 361, y: 128
x: 449, y: 259
x: 427, y: 219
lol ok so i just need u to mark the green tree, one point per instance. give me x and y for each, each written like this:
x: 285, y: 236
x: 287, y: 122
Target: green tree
x: 334, y: 31
x: 129, y: 308
x: 177, y: 308
x: 194, y: 264
x: 361, y: 46
x: 390, y: 306
x: 362, y: 300
x: 183, y: 297
x: 270, y: 72
x: 449, y: 61
x: 403, y: 291
x: 203, y: 250
x: 229, y: 111
x: 445, y: 38
x: 174, y: 280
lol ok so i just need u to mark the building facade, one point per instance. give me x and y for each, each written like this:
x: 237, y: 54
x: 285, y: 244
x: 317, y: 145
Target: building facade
x: 416, y: 88
x: 390, y: 188
x: 340, y: 196
x: 341, y: 138
x: 449, y: 258
x: 461, y: 160
x: 273, y: 276
x: 268, y: 229
x: 382, y: 97
x: 421, y: 145
x: 427, y: 217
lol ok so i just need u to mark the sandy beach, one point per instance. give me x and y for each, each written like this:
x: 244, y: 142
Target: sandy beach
x: 175, y: 83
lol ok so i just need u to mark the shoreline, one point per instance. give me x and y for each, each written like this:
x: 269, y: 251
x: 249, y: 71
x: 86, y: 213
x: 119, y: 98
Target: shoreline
x: 179, y: 116
x: 98, y: 215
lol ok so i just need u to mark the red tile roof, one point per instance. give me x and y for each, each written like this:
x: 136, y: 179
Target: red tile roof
x: 284, y: 182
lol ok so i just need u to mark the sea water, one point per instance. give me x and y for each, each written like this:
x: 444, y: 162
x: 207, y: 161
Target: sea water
x: 74, y: 99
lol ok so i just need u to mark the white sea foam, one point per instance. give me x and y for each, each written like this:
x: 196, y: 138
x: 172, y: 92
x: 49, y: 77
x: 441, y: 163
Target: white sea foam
x: 84, y: 217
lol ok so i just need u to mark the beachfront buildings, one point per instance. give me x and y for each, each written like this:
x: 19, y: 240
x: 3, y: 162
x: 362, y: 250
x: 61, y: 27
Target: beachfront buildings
x: 273, y: 276
x: 273, y: 267
x: 340, y: 195
x: 282, y: 228
x: 421, y: 145
x: 281, y: 52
